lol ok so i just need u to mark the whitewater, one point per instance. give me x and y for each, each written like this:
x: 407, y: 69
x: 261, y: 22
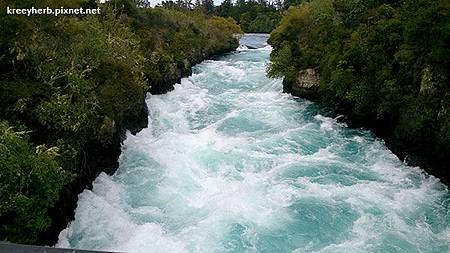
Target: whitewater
x: 229, y: 163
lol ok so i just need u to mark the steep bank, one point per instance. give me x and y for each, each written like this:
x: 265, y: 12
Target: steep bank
x: 100, y: 158
x: 385, y: 66
x: 71, y: 87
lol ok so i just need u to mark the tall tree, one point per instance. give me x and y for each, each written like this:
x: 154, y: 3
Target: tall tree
x: 278, y: 4
x: 288, y: 3
x: 208, y: 7
x: 198, y: 5
x: 225, y: 9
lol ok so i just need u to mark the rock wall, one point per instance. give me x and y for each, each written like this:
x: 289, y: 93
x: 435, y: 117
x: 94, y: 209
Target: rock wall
x: 305, y: 85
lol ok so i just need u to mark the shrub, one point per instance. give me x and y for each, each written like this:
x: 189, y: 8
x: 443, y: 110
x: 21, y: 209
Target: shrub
x: 30, y: 181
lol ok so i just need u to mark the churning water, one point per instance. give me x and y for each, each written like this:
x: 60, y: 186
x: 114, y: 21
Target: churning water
x: 231, y: 164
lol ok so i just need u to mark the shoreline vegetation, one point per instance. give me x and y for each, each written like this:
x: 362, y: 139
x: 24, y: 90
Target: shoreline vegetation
x: 71, y: 86
x: 384, y: 65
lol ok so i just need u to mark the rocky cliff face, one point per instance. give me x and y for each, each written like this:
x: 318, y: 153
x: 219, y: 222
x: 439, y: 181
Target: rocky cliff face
x: 305, y: 85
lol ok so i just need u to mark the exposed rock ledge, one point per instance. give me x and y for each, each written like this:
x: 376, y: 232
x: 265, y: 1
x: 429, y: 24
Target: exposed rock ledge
x: 305, y: 85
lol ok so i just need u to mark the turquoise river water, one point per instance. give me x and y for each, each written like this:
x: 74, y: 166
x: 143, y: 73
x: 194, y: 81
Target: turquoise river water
x: 231, y: 164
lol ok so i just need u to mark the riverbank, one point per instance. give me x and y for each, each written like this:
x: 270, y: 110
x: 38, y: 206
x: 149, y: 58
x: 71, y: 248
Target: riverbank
x: 383, y: 66
x: 100, y: 158
x: 435, y: 164
x: 72, y: 87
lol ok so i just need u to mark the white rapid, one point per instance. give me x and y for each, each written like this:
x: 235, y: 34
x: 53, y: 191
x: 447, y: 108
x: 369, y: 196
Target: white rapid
x: 231, y: 164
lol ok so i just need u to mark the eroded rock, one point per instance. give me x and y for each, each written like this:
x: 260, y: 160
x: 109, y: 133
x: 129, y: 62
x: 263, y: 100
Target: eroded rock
x: 306, y: 85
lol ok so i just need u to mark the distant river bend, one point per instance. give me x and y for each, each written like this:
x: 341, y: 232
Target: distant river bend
x: 231, y: 164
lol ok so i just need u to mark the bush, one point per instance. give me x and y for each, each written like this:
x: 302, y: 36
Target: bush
x: 30, y: 181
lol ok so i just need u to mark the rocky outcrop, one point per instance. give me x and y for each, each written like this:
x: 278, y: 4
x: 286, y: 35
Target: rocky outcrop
x: 304, y: 85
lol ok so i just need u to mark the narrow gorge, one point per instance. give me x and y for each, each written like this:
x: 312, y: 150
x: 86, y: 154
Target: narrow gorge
x: 230, y: 163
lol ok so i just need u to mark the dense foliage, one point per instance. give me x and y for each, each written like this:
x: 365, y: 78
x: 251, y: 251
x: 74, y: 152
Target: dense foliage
x: 30, y: 181
x: 69, y: 81
x: 385, y: 62
x: 253, y: 16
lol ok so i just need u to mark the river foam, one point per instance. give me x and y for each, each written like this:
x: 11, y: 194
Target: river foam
x: 231, y: 164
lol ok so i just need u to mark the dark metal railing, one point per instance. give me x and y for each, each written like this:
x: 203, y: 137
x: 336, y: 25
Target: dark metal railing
x: 6, y: 247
